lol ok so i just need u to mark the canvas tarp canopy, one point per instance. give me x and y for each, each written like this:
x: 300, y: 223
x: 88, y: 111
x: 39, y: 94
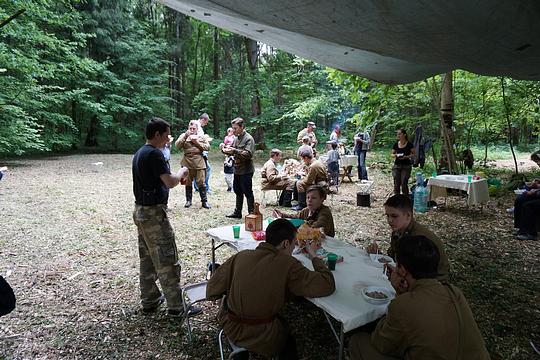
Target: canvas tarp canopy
x: 396, y: 41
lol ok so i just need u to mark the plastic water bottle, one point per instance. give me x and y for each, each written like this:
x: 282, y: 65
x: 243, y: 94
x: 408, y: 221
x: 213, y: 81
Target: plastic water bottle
x: 420, y: 194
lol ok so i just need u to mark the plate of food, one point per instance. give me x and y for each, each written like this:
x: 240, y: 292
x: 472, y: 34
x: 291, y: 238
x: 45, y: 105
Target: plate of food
x: 380, y: 260
x: 307, y: 234
x: 259, y: 235
x: 377, y: 295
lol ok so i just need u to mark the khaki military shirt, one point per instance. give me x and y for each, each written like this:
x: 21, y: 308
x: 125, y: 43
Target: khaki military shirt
x: 312, y: 137
x: 244, y: 147
x: 430, y: 321
x: 316, y: 175
x: 272, y: 179
x: 257, y: 284
x: 193, y: 158
x: 416, y: 229
x: 322, y: 218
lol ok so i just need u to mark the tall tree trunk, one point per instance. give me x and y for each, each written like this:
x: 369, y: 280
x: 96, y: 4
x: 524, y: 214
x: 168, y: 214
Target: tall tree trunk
x: 509, y: 124
x: 177, y: 74
x: 195, y: 63
x: 91, y: 135
x: 215, y: 109
x: 252, y: 49
x: 446, y: 119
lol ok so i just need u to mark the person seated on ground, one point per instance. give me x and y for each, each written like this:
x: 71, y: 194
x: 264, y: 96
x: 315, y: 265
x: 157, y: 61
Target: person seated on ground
x: 399, y: 214
x: 306, y: 146
x: 332, y: 162
x: 257, y: 283
x: 428, y: 319
x: 272, y: 179
x: 7, y: 297
x: 316, y: 214
x: 316, y: 175
x: 526, y: 209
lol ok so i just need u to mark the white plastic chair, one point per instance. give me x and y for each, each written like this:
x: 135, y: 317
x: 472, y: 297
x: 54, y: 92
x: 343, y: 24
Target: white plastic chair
x: 192, y: 294
x: 234, y: 349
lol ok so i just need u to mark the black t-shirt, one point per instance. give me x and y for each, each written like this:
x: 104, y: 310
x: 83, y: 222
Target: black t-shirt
x: 148, y: 164
x: 406, y: 151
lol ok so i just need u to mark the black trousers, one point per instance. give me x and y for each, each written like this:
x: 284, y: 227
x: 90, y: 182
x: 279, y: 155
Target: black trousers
x: 242, y: 186
x: 530, y: 213
x: 518, y: 207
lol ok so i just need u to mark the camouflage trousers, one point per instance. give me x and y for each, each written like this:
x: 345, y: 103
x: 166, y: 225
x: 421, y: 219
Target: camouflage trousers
x: 158, y: 257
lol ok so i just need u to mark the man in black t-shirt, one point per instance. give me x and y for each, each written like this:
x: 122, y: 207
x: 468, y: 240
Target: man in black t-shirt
x: 152, y: 180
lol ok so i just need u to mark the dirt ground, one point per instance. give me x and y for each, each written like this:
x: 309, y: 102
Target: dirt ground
x: 68, y: 247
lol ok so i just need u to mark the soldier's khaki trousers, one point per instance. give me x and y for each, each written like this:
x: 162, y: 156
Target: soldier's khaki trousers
x: 360, y: 348
x: 158, y: 257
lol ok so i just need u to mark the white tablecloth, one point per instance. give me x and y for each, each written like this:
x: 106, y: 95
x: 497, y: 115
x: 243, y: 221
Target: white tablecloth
x: 346, y: 304
x: 477, y: 190
x: 348, y: 160
x: 344, y: 160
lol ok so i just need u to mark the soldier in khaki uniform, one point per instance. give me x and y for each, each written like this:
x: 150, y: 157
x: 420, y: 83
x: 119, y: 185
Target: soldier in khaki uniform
x: 242, y: 149
x: 399, y: 213
x: 309, y: 131
x: 257, y: 284
x: 271, y: 179
x: 193, y: 146
x: 152, y: 180
x: 427, y: 320
x: 316, y: 214
x: 316, y: 175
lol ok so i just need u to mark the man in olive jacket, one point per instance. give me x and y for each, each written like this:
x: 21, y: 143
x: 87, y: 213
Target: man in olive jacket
x: 428, y: 319
x: 257, y: 284
x: 242, y: 150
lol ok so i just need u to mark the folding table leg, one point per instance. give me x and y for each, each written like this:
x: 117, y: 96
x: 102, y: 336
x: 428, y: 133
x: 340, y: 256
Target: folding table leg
x: 341, y: 343
x: 213, y: 266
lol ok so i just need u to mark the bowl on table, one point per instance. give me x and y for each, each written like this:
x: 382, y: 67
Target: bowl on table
x: 296, y: 222
x: 380, y: 260
x: 377, y: 295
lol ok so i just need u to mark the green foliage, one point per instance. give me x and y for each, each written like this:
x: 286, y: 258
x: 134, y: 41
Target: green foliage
x: 89, y: 74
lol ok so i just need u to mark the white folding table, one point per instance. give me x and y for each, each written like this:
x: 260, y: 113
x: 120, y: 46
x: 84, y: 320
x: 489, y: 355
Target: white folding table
x: 347, y: 304
x: 477, y: 190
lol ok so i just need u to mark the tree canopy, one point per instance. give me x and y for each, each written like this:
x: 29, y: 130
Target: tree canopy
x: 78, y: 75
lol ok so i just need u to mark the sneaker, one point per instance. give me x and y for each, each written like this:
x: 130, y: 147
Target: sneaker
x: 527, y: 237
x: 151, y: 309
x: 510, y: 210
x: 516, y: 231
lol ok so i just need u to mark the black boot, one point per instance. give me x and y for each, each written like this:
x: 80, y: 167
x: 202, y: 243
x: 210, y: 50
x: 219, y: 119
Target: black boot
x: 301, y: 202
x: 287, y: 197
x: 250, y: 203
x: 189, y: 196
x: 204, y: 199
x: 237, y: 214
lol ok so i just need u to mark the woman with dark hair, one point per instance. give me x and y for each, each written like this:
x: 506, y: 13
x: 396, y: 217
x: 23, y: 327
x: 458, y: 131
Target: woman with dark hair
x: 402, y: 152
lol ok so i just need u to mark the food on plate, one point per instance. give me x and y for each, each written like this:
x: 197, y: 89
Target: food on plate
x: 306, y: 234
x: 259, y: 235
x: 384, y: 260
x: 376, y: 295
